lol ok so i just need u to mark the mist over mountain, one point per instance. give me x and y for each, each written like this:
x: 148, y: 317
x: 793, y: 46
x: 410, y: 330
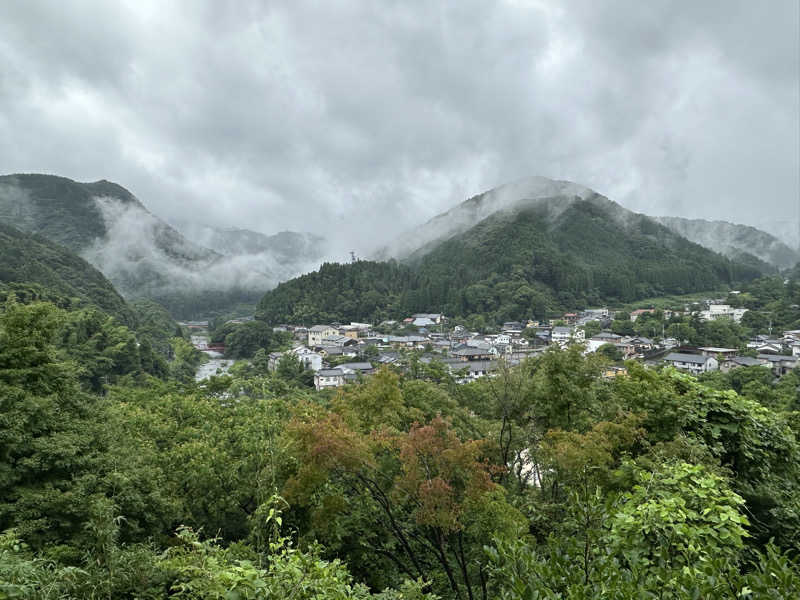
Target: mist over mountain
x: 554, y: 197
x: 108, y: 226
x: 734, y: 240
x: 786, y: 229
x: 530, y: 248
x: 473, y: 210
x: 144, y: 256
x: 283, y: 255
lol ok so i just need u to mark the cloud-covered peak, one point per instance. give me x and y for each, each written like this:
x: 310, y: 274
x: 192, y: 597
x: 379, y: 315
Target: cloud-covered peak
x: 359, y: 120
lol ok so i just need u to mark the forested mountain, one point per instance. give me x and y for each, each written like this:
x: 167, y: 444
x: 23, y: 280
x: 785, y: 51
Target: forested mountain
x: 27, y: 259
x: 734, y: 241
x: 286, y: 246
x: 473, y: 210
x: 145, y: 257
x: 79, y: 215
x: 530, y: 258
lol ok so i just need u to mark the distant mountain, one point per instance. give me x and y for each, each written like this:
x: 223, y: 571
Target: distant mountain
x: 734, y: 241
x: 527, y: 249
x: 284, y: 254
x: 31, y: 259
x: 286, y: 246
x: 145, y: 257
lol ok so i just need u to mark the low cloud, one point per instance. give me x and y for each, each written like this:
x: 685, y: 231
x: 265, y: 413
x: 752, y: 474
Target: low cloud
x: 142, y: 255
x: 357, y: 120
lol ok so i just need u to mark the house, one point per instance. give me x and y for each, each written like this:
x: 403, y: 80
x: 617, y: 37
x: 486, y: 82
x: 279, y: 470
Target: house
x: 669, y: 342
x: 363, y: 368
x: 718, y: 352
x: 607, y: 337
x: 273, y: 359
x: 593, y: 344
x: 338, y: 340
x: 564, y: 335
x: 388, y: 358
x: 771, y: 347
x: 335, y: 351
x: 722, y: 311
x: 348, y: 331
x: 470, y: 371
x: 406, y: 340
x: 503, y: 339
x: 194, y: 324
x: 612, y: 372
x: 319, y: 332
x: 470, y: 353
x: 626, y: 348
x: 310, y: 359
x: 435, y: 318
x: 741, y: 361
x: 423, y: 322
x: 791, y: 336
x: 642, y: 344
x: 694, y: 363
x: 780, y: 364
x: 513, y: 327
x: 328, y: 378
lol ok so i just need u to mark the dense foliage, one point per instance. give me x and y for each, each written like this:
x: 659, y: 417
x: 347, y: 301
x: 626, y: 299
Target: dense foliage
x: 37, y: 261
x: 243, y: 340
x: 547, y: 481
x: 512, y: 266
x: 57, y: 208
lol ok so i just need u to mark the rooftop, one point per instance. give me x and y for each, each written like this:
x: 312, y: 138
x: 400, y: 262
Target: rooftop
x: 686, y: 358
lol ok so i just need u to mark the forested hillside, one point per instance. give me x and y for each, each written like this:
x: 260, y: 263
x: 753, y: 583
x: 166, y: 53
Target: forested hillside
x: 548, y: 481
x: 144, y: 256
x: 30, y: 259
x: 514, y: 264
x: 68, y: 212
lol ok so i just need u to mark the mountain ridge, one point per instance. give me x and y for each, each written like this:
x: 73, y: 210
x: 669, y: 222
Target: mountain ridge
x: 142, y: 255
x: 524, y: 257
x: 734, y: 240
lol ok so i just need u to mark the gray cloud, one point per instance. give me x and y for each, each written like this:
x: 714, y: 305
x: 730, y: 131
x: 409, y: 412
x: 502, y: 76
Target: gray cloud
x: 360, y: 120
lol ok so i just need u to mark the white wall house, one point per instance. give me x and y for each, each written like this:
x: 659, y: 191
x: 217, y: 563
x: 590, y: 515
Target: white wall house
x: 319, y: 332
x: 722, y: 311
x: 310, y: 359
x: 564, y: 335
x: 693, y: 363
x: 328, y: 378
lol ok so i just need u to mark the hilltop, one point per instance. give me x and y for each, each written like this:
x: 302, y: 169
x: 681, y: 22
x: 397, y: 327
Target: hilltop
x: 522, y: 250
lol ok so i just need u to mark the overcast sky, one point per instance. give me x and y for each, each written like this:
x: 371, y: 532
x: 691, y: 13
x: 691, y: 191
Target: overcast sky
x: 365, y: 118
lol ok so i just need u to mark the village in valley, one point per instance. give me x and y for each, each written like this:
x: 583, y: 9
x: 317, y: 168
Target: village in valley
x: 338, y: 353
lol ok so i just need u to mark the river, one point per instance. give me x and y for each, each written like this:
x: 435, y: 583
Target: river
x: 216, y: 365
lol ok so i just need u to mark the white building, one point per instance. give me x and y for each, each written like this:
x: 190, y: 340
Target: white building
x: 328, y: 378
x: 693, y: 363
x: 564, y: 335
x: 722, y: 311
x: 310, y: 359
x: 319, y: 332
